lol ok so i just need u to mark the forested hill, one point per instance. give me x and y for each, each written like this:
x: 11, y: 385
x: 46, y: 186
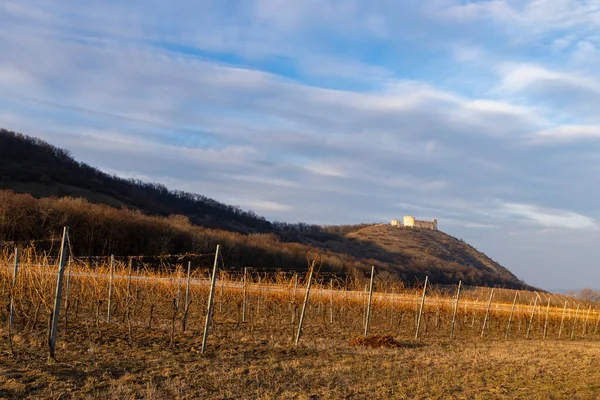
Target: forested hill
x: 45, y: 189
x: 30, y: 165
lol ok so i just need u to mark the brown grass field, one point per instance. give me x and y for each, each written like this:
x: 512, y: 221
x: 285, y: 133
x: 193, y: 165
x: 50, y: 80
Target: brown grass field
x: 145, y: 352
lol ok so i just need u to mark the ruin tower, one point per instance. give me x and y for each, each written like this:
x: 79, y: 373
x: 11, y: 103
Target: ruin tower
x: 409, y: 221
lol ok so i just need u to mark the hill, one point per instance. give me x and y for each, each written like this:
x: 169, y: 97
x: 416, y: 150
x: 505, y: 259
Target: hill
x: 433, y: 253
x: 45, y: 188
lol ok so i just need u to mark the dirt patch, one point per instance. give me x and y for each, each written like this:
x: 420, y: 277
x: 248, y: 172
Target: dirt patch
x: 383, y: 341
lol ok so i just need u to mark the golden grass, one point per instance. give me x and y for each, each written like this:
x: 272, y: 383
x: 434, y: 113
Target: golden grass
x: 239, y: 366
x: 144, y: 352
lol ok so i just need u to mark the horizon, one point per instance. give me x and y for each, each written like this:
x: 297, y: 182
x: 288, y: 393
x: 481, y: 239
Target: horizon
x: 481, y: 114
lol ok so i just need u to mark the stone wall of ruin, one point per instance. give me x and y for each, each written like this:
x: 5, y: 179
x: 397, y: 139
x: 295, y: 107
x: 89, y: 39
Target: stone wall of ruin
x: 411, y: 222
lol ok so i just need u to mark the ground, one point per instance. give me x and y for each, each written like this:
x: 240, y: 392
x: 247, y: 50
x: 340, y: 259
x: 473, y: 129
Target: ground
x: 94, y: 363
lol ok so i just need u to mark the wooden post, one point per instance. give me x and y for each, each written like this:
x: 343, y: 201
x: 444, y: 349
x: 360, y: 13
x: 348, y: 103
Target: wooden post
x: 562, y: 320
x: 59, y: 282
x: 11, y: 299
x: 532, y: 315
x: 512, y: 311
x: 546, y: 323
x: 299, y: 333
x: 474, y: 311
x: 67, y: 290
x: 178, y: 297
x: 596, y: 326
x: 110, y: 287
x: 487, y: 313
x: 294, y: 297
x: 587, y: 317
x: 392, y: 308
x: 129, y: 294
x: 129, y: 299
x: 368, y: 318
x: 187, y: 295
x: 331, y: 302
x: 365, y: 297
x: 258, y: 296
x: 421, y: 309
x: 222, y: 290
x: 210, y: 301
x: 244, y: 294
x: 14, y: 284
x: 455, y: 309
x: 574, y: 322
x: 129, y: 271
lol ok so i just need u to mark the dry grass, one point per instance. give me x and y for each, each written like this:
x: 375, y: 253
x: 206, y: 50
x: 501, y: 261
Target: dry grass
x: 242, y: 367
x: 144, y: 352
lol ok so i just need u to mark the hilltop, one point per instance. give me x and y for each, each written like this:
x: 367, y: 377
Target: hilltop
x: 46, y: 188
x: 435, y: 253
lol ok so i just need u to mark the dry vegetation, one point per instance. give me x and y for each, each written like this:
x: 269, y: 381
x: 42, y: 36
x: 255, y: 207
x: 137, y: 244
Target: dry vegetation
x: 145, y: 352
x: 402, y: 254
x: 242, y: 367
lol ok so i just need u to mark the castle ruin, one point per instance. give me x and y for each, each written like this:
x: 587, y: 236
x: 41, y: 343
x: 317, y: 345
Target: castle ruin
x: 411, y: 222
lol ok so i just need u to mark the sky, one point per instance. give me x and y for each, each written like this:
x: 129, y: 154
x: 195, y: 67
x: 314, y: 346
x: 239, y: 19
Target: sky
x: 482, y: 114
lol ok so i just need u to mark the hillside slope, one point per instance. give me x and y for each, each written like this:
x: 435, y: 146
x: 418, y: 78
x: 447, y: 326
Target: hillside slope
x: 433, y: 253
x: 113, y: 215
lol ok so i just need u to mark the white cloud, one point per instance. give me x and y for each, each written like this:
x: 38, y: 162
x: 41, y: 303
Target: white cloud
x: 324, y: 169
x: 567, y: 133
x: 518, y: 77
x: 14, y: 77
x: 265, y: 206
x: 532, y: 17
x: 548, y: 217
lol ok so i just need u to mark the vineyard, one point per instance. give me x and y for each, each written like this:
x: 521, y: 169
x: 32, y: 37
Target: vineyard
x: 171, y: 295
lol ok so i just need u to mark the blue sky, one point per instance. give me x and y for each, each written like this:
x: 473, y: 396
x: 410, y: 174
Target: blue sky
x: 482, y: 114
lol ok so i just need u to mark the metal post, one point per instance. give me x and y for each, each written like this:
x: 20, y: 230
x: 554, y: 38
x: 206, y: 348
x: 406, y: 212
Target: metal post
x: 532, y: 315
x: 421, y: 309
x: 562, y: 320
x: 487, y: 313
x: 455, y: 309
x: 512, y: 311
x: 59, y: 281
x: 546, y: 323
x: 368, y: 319
x: 299, y: 333
x: 210, y: 301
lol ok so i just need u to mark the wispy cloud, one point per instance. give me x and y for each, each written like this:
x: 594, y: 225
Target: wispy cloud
x: 568, y: 133
x: 547, y: 217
